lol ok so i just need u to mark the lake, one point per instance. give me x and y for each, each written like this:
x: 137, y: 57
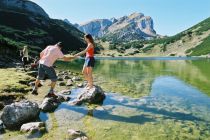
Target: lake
x: 147, y: 98
x: 163, y: 98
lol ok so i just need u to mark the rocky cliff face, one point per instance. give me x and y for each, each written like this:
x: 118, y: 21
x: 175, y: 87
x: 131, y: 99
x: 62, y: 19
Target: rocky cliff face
x: 96, y: 27
x: 134, y: 26
x: 25, y: 6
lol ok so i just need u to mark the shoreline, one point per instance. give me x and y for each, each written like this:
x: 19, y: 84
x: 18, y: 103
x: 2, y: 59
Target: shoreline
x: 151, y: 56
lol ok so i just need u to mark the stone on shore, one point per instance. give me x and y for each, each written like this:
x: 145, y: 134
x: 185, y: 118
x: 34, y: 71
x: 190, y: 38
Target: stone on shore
x: 1, y: 126
x: 69, y: 83
x: 66, y: 77
x: 94, y: 95
x: 60, y: 79
x: 1, y: 105
x: 33, y: 127
x: 77, y: 135
x: 18, y: 113
x: 32, y: 84
x: 62, y: 84
x: 33, y: 73
x: 76, y: 78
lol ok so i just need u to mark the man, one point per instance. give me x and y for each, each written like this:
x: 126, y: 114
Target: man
x: 47, y: 58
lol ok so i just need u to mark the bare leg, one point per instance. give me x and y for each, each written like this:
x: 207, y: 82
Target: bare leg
x: 90, y: 76
x: 84, y: 71
x: 37, y: 82
x: 53, y: 85
x: 34, y: 91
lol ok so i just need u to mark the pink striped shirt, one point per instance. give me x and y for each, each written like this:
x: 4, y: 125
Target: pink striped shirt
x: 49, y: 55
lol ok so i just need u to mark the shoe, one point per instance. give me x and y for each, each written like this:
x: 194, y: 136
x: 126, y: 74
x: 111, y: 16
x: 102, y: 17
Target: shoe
x: 51, y: 94
x: 34, y: 92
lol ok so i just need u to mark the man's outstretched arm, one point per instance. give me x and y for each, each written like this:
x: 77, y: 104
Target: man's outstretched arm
x: 68, y: 58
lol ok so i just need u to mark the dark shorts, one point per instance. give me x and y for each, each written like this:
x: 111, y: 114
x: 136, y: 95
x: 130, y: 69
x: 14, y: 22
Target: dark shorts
x: 24, y: 60
x: 89, y: 62
x: 45, y: 70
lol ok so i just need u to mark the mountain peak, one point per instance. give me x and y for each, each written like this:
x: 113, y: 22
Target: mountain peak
x: 136, y: 15
x: 131, y: 27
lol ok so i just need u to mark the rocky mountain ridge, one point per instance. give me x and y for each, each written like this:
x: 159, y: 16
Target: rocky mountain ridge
x: 132, y: 27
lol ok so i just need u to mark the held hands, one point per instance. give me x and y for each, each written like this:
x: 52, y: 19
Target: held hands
x: 71, y: 57
x: 68, y: 58
x: 76, y: 56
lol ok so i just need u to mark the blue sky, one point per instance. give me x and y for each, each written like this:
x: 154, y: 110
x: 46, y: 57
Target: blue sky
x: 170, y: 16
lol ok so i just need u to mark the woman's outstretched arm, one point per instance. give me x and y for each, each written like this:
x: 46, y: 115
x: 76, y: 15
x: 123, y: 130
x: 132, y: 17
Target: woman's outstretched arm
x: 84, y: 51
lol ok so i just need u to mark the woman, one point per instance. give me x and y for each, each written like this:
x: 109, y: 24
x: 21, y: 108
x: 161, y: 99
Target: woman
x: 89, y: 60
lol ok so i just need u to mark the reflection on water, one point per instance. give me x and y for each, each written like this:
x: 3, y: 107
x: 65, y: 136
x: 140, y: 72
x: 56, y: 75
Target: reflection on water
x: 172, y: 105
x: 134, y: 77
x: 176, y: 102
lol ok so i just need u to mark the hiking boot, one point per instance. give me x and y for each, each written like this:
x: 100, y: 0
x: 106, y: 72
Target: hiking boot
x: 34, y: 92
x: 51, y: 94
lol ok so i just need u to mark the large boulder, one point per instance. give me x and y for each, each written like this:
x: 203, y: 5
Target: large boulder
x: 94, y: 95
x: 18, y: 113
x: 49, y: 104
x: 33, y: 127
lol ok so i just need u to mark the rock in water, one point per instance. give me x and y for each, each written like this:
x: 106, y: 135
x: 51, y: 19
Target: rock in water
x: 16, y: 114
x: 33, y: 127
x: 49, y: 104
x: 65, y: 92
x: 61, y: 98
x: 94, y: 95
x: 80, y: 85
